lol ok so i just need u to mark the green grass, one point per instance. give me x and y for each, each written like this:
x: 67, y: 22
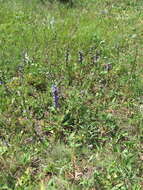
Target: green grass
x: 94, y: 140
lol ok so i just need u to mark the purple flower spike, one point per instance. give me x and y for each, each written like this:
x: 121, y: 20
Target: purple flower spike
x: 80, y: 57
x: 108, y: 67
x: 55, y: 96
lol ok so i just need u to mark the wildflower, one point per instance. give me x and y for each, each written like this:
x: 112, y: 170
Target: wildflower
x: 95, y: 58
x: 80, y: 57
x: 20, y: 70
x: 141, y: 109
x: 67, y: 56
x: 26, y: 58
x: 52, y: 22
x: 55, y: 96
x: 108, y: 66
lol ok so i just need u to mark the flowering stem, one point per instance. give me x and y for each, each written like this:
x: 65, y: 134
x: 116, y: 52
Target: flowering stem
x: 55, y: 96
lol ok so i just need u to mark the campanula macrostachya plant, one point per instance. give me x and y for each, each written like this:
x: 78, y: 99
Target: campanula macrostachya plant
x: 55, y: 94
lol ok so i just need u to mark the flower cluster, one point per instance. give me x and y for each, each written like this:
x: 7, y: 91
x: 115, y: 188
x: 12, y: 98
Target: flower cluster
x: 55, y: 96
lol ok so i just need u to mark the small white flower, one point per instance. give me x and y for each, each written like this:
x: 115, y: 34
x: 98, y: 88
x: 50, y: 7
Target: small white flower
x: 141, y: 108
x: 52, y: 22
x: 26, y: 58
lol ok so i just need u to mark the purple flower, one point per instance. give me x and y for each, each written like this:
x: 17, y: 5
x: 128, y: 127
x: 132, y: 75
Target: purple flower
x: 80, y: 57
x: 55, y: 96
x: 95, y: 58
x: 108, y: 67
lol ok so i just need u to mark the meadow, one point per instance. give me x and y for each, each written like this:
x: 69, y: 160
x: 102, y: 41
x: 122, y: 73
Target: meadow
x: 71, y: 95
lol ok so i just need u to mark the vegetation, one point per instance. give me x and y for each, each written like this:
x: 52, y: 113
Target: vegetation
x: 71, y: 95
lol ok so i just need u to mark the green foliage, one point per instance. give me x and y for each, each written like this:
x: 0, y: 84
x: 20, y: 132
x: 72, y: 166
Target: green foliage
x: 92, y: 52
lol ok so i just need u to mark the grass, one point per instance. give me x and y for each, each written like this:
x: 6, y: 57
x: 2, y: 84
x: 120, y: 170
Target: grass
x: 92, y: 52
